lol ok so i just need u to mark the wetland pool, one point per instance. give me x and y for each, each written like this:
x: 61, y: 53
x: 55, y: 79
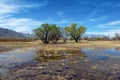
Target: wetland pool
x: 100, y: 63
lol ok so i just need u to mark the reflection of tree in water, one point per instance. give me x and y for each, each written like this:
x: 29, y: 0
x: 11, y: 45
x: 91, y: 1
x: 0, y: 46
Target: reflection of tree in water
x: 43, y: 55
x: 117, y: 48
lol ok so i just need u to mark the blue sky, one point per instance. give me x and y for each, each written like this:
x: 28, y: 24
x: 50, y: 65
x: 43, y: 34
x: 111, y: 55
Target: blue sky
x: 99, y: 16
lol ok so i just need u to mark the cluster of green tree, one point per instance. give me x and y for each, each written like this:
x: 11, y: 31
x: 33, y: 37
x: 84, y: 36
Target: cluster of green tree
x: 51, y: 32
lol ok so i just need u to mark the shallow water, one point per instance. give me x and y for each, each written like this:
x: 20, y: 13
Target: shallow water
x: 15, y: 58
x: 102, y: 54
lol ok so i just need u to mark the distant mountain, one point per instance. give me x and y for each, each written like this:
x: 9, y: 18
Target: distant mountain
x: 27, y: 35
x: 6, y: 33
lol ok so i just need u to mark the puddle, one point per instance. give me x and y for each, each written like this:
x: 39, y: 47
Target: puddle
x: 14, y: 58
x: 18, y: 57
x: 102, y: 54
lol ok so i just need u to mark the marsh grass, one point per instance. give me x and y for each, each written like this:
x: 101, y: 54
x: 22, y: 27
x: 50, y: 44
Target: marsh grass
x: 7, y: 46
x: 16, y: 39
x: 46, y: 55
x: 71, y: 45
x: 63, y: 50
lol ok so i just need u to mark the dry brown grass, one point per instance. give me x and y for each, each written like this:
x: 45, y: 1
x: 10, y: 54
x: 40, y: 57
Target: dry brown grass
x: 7, y: 46
x: 16, y: 39
x: 72, y: 45
x: 69, y: 45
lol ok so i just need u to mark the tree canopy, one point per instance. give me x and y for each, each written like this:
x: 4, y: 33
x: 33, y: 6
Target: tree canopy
x: 51, y: 32
x: 48, y: 32
x: 75, y: 32
x: 55, y: 33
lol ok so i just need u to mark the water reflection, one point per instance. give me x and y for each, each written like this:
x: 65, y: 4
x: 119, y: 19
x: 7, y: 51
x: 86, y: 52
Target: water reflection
x: 43, y: 55
x: 102, y: 54
x: 117, y: 48
x: 18, y: 57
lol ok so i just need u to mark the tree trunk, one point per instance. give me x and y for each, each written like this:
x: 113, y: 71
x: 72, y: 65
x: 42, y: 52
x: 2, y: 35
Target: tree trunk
x: 76, y: 40
x: 46, y: 42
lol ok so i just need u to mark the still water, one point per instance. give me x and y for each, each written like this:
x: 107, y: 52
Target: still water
x: 15, y: 58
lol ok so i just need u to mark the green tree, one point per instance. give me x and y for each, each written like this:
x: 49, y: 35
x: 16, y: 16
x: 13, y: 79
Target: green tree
x: 48, y: 32
x: 43, y: 33
x: 75, y: 32
x: 55, y: 33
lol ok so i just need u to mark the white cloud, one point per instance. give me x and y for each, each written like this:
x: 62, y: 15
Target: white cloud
x: 44, y: 3
x: 2, y: 17
x: 60, y: 13
x: 92, y: 14
x: 20, y: 24
x: 104, y: 4
x: 22, y: 29
x: 8, y: 8
x: 113, y: 24
x: 62, y: 21
x: 92, y: 20
x: 112, y: 28
x: 7, y: 20
x: 98, y: 19
x: 109, y: 32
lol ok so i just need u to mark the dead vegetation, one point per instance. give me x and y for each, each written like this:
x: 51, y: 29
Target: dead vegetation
x: 72, y: 45
x: 69, y: 45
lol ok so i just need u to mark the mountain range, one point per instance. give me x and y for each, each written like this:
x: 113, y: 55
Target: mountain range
x: 6, y: 33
